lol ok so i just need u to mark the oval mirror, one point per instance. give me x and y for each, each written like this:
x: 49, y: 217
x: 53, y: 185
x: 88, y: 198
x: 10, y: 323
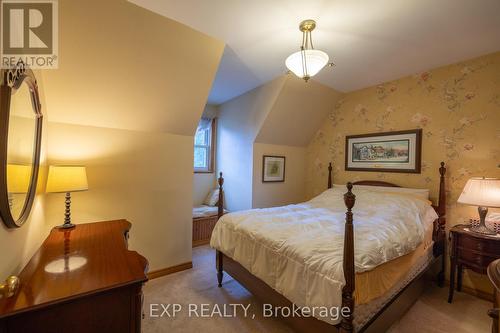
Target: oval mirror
x: 20, y: 128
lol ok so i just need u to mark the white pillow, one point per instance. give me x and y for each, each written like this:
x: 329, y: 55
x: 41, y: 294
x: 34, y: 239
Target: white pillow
x: 212, y: 198
x: 420, y: 192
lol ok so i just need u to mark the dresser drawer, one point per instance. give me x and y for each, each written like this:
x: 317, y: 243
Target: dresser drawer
x: 467, y: 242
x: 475, y: 259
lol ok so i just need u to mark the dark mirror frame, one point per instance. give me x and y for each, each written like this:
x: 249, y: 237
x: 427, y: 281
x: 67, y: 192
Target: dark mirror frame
x: 12, y: 79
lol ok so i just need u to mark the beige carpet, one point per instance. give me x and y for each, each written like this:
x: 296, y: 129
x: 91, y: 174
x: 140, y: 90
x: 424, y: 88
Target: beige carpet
x: 198, y: 286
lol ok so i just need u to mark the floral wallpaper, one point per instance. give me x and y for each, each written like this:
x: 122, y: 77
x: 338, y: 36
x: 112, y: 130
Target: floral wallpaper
x: 458, y: 109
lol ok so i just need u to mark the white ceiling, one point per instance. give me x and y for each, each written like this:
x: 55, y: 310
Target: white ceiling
x: 370, y: 41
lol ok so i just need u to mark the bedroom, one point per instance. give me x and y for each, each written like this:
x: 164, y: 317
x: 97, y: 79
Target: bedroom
x: 133, y: 84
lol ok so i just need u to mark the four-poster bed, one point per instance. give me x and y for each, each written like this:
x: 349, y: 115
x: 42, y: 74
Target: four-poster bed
x: 268, y: 295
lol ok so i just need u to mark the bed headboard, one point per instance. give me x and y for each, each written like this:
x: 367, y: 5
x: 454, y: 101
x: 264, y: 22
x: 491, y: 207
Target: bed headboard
x: 440, y: 207
x: 375, y: 183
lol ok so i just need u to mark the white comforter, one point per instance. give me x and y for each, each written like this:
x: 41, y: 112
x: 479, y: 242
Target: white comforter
x: 297, y: 249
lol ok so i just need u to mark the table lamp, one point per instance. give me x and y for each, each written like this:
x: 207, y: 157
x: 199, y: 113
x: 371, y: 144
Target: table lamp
x: 67, y: 179
x: 484, y: 193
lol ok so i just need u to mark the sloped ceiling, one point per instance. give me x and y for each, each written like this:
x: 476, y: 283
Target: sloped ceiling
x: 285, y: 111
x: 246, y: 114
x: 122, y: 66
x: 370, y: 41
x: 297, y: 113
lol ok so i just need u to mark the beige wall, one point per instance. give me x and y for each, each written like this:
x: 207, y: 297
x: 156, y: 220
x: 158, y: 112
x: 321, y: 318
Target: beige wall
x: 129, y: 179
x: 299, y: 110
x: 18, y: 245
x: 292, y: 190
x: 125, y: 101
x: 458, y: 108
x: 127, y: 106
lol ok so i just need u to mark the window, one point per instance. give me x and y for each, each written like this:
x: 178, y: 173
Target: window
x: 204, y: 146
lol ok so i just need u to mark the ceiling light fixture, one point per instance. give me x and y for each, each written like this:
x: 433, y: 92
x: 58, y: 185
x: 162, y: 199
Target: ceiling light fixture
x: 307, y: 62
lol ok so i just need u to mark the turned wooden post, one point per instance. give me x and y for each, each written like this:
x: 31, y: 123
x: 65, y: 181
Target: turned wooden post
x: 220, y: 203
x: 440, y: 239
x: 220, y: 212
x: 442, y: 196
x: 348, y: 260
x: 330, y: 175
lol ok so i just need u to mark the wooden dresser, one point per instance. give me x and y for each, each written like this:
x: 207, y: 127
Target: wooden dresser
x: 81, y: 280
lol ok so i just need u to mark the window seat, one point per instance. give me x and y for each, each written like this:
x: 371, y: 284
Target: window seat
x: 205, y: 211
x: 204, y: 220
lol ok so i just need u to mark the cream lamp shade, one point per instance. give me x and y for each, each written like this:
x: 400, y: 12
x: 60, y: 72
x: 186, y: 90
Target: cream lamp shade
x: 18, y: 178
x: 483, y: 192
x: 306, y: 63
x: 67, y: 178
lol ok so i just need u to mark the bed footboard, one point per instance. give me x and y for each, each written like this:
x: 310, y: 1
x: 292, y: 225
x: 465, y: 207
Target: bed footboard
x: 439, y: 238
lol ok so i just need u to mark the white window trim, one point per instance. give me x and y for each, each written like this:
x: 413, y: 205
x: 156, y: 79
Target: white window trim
x: 210, y: 149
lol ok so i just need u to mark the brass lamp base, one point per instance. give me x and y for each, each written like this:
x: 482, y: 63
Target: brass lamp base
x: 482, y: 228
x: 307, y: 25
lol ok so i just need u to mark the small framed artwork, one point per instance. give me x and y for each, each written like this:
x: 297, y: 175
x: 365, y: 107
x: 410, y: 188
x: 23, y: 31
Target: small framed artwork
x: 273, y: 169
x: 398, y: 151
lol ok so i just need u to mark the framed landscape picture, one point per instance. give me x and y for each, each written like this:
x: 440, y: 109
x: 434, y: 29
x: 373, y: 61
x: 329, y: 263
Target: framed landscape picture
x: 273, y: 169
x: 398, y: 151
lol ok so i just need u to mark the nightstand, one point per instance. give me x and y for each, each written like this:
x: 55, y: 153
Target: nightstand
x: 472, y: 251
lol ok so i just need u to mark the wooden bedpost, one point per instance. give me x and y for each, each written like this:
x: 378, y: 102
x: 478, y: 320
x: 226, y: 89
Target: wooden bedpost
x: 442, y: 196
x: 220, y: 203
x: 348, y: 260
x: 440, y: 236
x: 330, y: 175
x: 220, y: 212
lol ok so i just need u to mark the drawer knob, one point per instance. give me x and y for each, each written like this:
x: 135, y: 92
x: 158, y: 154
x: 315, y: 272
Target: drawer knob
x: 493, y: 313
x: 9, y: 287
